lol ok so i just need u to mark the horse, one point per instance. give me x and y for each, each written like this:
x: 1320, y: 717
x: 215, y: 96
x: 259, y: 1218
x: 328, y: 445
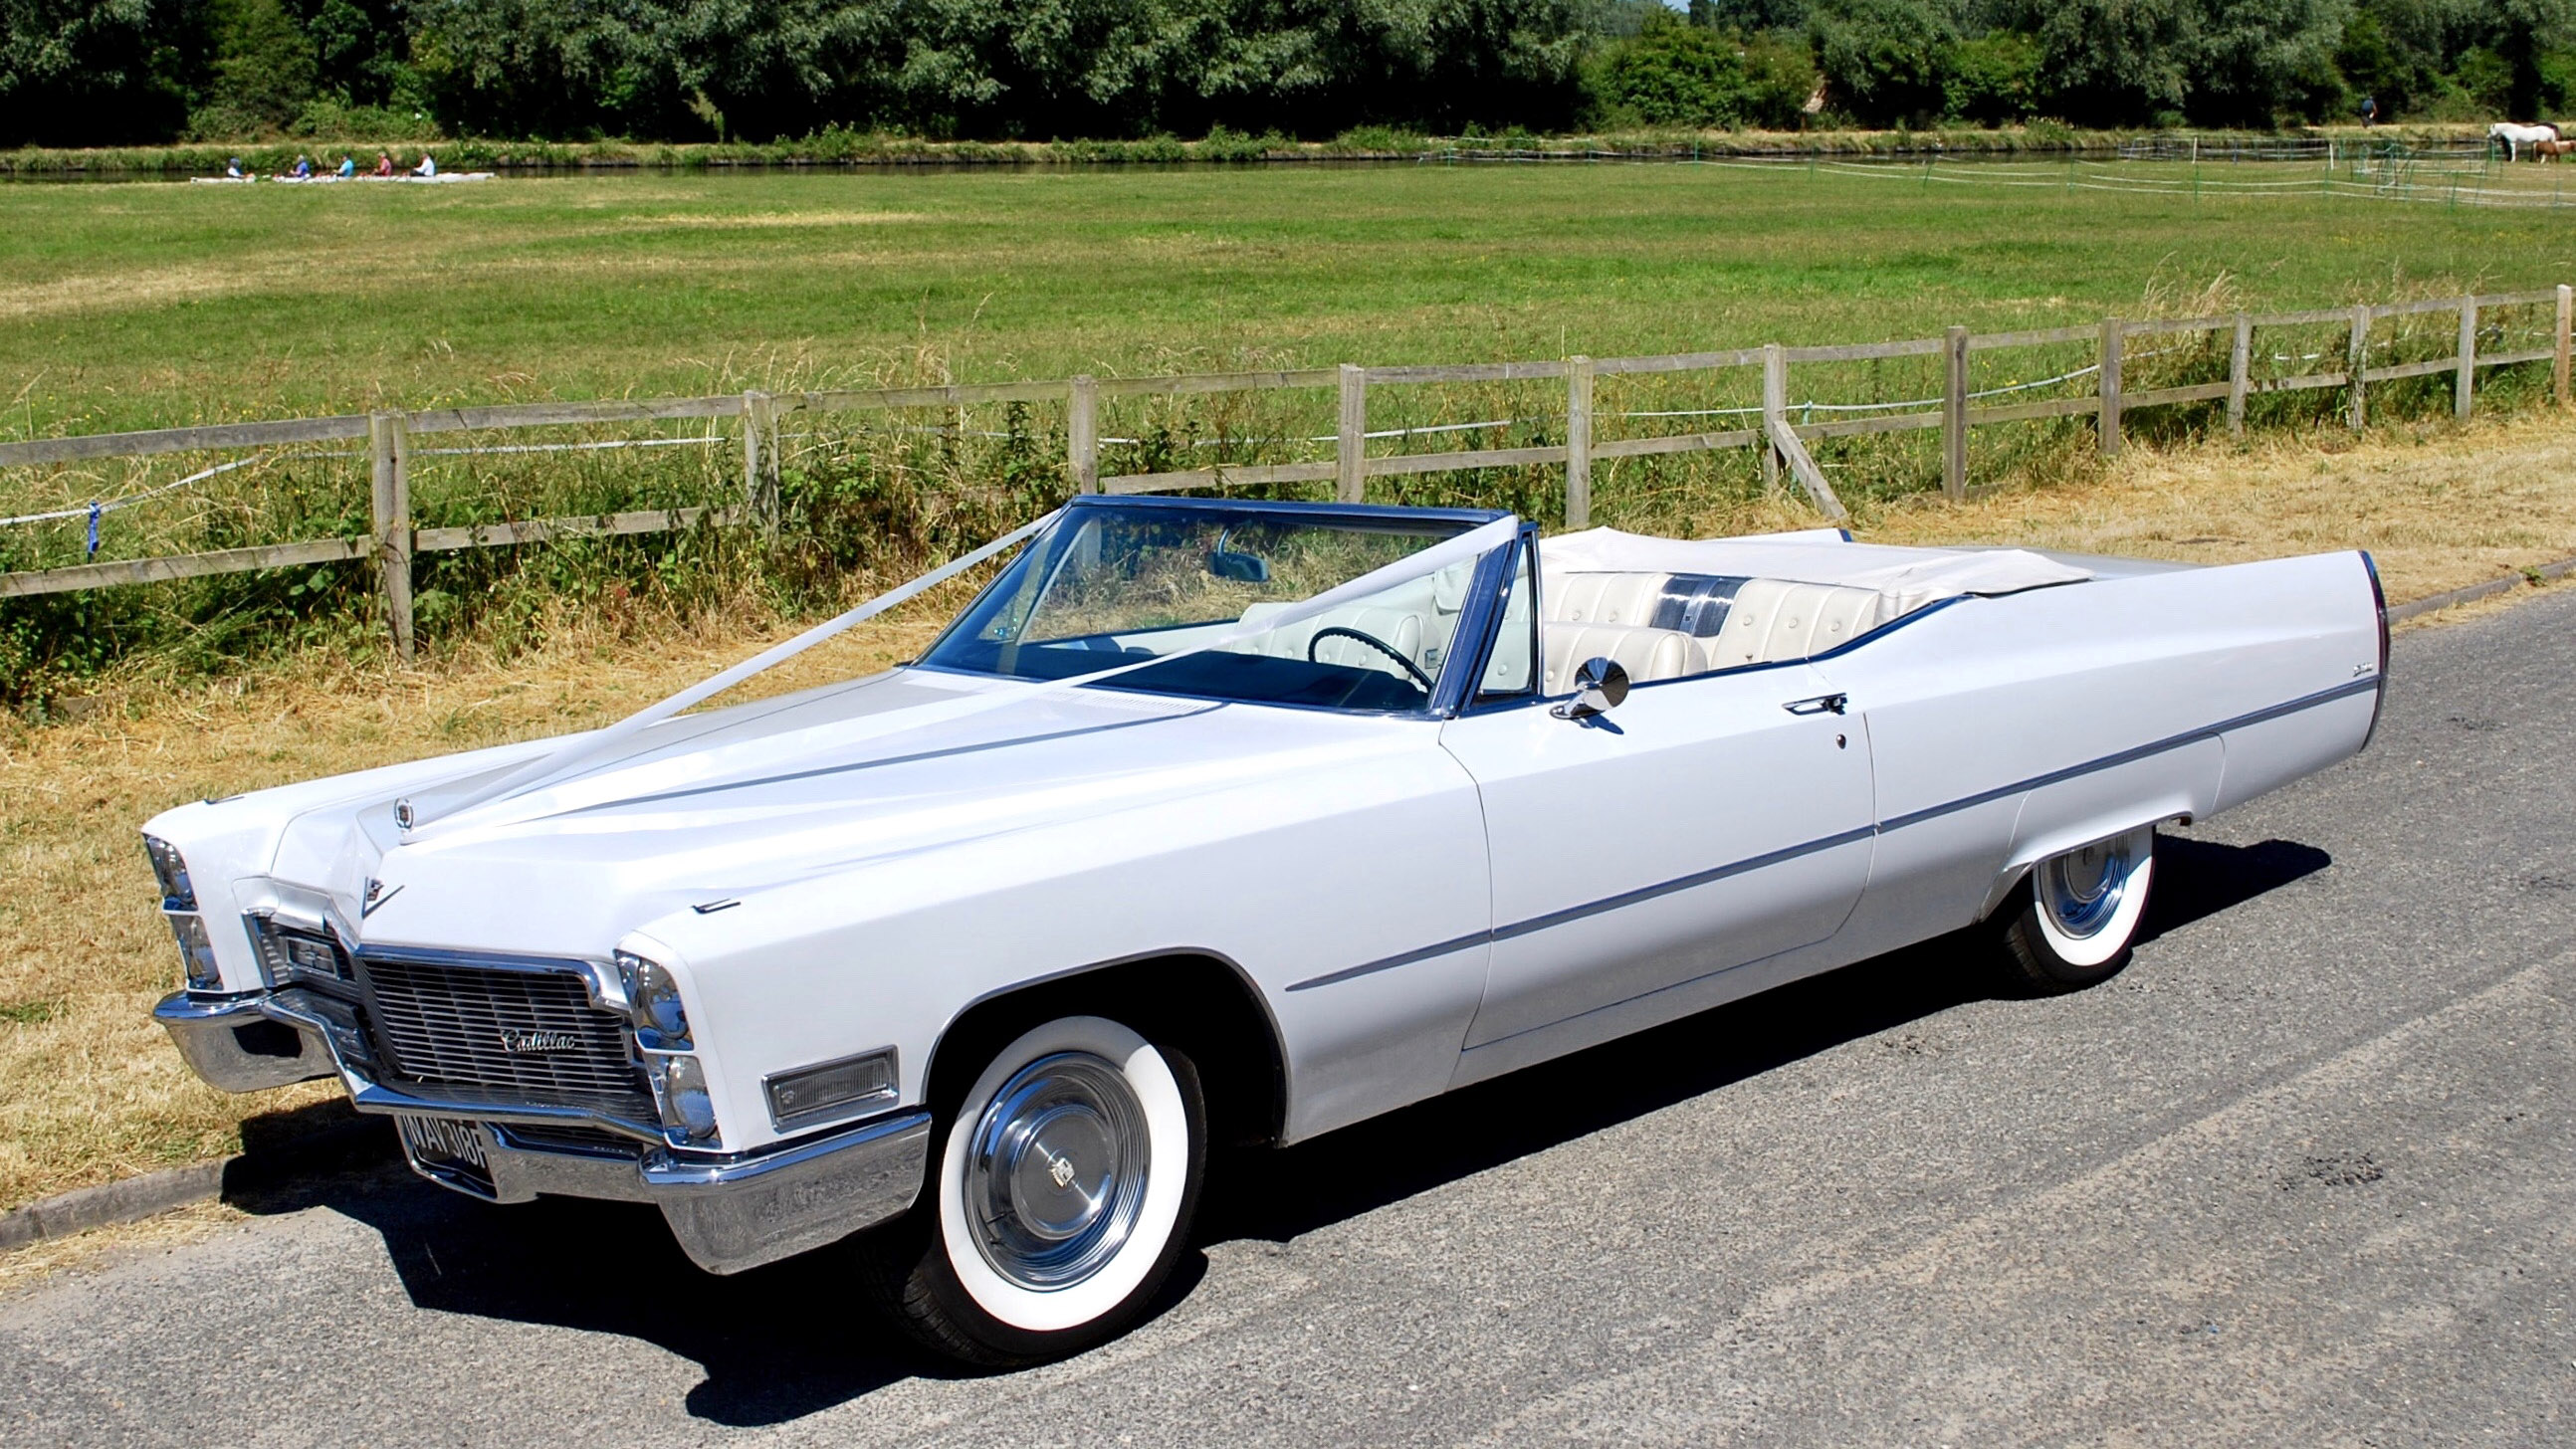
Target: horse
x: 2551, y: 150
x: 2517, y: 136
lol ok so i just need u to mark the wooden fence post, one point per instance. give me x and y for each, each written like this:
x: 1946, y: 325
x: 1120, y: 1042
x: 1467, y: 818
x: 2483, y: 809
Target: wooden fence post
x: 1775, y: 408
x: 1351, y: 453
x: 2566, y: 315
x: 2240, y: 356
x: 389, y: 440
x: 2108, y: 423
x: 2464, y: 385
x: 773, y: 458
x: 751, y: 429
x: 2357, y: 367
x: 1954, y: 412
x: 1578, y: 442
x: 1082, y: 434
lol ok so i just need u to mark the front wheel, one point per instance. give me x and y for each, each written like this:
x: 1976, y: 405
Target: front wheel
x: 1064, y: 1194
x: 2079, y: 915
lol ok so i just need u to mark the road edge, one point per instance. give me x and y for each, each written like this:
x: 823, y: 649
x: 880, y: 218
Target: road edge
x: 2433, y: 603
x: 336, y: 1150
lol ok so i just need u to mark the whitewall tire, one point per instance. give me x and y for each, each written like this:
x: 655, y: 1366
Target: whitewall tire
x: 2079, y: 914
x: 1064, y: 1189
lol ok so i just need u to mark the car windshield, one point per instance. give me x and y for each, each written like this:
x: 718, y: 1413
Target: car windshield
x: 1108, y: 585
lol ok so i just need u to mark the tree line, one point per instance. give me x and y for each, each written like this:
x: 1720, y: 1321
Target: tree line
x: 102, y: 72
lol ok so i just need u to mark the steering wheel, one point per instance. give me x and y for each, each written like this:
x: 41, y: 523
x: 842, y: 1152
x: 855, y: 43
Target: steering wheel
x: 1372, y: 641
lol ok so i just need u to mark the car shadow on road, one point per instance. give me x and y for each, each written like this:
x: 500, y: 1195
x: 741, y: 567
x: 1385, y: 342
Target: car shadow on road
x: 792, y: 1339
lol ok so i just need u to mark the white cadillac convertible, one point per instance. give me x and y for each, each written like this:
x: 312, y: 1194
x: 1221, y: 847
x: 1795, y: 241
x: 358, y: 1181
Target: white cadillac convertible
x: 1217, y: 822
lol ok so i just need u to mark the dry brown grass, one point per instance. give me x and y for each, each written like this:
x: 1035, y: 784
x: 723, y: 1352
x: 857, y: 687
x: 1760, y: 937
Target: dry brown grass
x: 98, y: 1248
x: 2437, y: 506
x: 92, y: 1091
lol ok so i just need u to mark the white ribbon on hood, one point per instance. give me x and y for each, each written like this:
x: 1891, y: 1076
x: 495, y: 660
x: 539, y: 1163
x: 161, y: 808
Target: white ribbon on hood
x: 592, y: 750
x: 584, y: 749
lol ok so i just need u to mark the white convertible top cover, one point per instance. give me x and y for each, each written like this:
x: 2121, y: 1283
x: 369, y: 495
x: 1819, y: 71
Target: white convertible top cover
x: 1909, y: 578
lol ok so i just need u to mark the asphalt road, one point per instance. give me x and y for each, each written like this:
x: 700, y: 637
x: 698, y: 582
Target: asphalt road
x: 2305, y: 1173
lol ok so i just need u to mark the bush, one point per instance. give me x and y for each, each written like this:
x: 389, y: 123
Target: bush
x: 1994, y: 80
x: 1886, y: 61
x: 1780, y: 78
x: 1673, y: 74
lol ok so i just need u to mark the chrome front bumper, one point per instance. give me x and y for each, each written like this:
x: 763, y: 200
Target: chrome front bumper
x: 729, y: 1212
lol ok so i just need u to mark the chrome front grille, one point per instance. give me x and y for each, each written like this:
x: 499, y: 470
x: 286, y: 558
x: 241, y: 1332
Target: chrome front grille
x: 528, y: 1033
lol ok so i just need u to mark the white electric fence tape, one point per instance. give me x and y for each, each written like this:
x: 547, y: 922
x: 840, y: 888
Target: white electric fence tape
x: 561, y: 765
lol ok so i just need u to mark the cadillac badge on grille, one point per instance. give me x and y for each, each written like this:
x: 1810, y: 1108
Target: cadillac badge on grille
x: 528, y: 1041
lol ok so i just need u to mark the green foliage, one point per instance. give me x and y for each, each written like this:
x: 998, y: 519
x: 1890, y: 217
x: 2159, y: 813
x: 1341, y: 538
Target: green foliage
x: 980, y: 68
x: 1994, y: 79
x: 1886, y: 61
x: 2259, y: 62
x: 1138, y: 72
x: 1678, y: 74
x: 1780, y: 75
x: 93, y: 72
x: 1673, y: 74
x: 264, y: 67
x: 2114, y: 62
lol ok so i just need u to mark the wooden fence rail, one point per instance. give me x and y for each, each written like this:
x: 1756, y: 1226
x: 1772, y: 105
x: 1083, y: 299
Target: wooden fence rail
x: 393, y: 542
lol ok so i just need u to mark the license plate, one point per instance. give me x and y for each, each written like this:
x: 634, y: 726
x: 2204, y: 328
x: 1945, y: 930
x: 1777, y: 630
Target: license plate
x: 443, y: 1142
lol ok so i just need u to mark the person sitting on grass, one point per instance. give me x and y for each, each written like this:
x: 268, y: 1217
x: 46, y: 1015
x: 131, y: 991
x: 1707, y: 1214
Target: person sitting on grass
x: 428, y: 166
x: 384, y: 163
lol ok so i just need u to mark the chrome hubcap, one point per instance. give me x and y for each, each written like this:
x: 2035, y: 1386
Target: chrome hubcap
x: 2081, y: 889
x: 1055, y: 1173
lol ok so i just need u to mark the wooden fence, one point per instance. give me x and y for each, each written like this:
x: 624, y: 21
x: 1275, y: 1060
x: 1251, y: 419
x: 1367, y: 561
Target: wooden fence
x: 393, y: 542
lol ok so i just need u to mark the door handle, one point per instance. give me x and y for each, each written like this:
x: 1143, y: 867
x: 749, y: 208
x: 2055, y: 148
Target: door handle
x: 1821, y: 704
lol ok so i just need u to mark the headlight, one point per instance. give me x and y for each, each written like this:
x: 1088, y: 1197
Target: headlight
x: 177, y: 894
x: 661, y: 1036
x: 196, y: 953
x: 653, y: 1001
x: 680, y: 1091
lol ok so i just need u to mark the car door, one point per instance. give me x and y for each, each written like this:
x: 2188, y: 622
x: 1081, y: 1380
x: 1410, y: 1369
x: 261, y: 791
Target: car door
x: 1702, y: 824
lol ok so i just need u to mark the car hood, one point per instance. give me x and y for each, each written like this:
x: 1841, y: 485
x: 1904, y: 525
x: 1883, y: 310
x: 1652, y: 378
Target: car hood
x: 724, y: 804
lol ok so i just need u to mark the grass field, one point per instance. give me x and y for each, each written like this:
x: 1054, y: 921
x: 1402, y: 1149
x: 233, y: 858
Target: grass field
x: 161, y: 304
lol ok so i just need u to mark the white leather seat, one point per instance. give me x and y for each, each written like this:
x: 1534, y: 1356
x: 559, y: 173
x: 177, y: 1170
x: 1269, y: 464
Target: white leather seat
x: 1647, y: 654
x: 1773, y: 620
x: 1603, y: 598
x: 1399, y: 628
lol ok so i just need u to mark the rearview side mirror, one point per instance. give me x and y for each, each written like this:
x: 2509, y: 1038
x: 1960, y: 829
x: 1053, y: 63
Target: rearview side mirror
x: 1599, y: 685
x: 1249, y: 568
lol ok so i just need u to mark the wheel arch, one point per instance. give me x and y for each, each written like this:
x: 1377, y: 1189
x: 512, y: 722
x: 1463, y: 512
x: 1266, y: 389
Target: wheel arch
x: 1199, y: 1000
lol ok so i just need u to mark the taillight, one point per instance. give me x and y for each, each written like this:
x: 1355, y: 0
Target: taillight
x: 2379, y: 601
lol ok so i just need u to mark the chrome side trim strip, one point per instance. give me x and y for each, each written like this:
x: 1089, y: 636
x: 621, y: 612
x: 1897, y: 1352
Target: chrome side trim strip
x: 2132, y: 756
x: 1389, y: 963
x: 1716, y: 873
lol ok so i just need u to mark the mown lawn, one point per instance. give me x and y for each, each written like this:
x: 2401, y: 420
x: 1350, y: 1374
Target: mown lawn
x: 150, y: 304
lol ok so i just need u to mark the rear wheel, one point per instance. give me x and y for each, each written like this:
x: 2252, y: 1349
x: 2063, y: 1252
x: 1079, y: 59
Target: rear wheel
x: 2079, y: 914
x: 1063, y: 1194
